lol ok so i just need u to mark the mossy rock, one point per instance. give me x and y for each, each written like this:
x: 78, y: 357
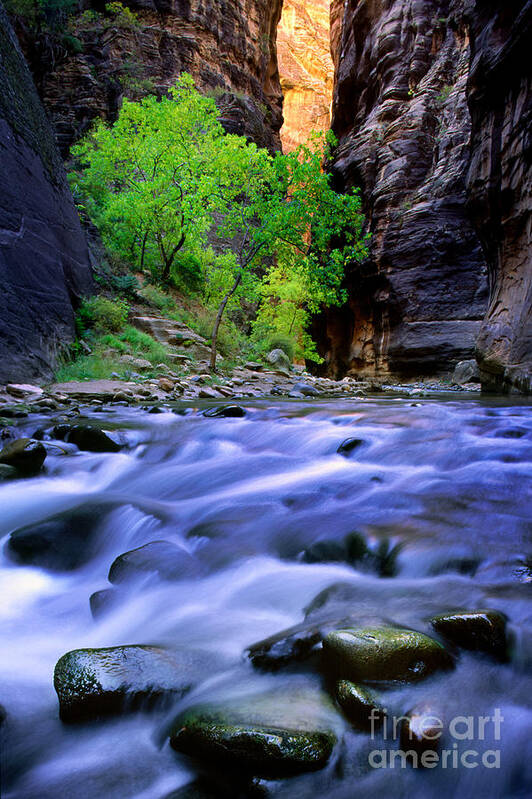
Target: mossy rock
x: 360, y: 705
x: 98, y: 682
x: 383, y: 654
x: 24, y: 454
x: 477, y: 630
x: 271, y: 735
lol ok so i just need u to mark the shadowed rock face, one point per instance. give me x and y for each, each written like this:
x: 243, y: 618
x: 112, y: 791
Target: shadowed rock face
x: 44, y: 265
x: 500, y: 185
x: 400, y: 113
x: 225, y: 44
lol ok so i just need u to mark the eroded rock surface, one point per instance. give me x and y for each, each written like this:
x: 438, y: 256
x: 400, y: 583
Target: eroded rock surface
x: 44, y: 263
x: 500, y: 185
x: 400, y: 112
x: 228, y: 47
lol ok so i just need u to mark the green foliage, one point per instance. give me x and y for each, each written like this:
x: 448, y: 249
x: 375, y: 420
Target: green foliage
x: 166, y: 178
x: 279, y: 341
x: 444, y: 94
x: 188, y: 271
x: 122, y: 16
x: 101, y: 315
x: 89, y: 367
x: 159, y: 299
x: 134, y: 342
x: 41, y: 14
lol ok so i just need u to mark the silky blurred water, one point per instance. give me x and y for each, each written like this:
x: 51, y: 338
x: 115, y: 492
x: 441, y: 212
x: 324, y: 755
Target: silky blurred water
x: 447, y: 479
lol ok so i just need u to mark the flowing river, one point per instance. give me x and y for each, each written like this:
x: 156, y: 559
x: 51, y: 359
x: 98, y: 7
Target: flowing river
x: 439, y: 487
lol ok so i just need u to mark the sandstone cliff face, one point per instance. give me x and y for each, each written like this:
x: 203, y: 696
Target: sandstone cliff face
x: 229, y: 46
x: 400, y: 112
x: 306, y: 69
x: 44, y: 263
x: 500, y: 184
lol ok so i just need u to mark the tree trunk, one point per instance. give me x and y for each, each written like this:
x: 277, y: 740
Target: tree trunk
x: 218, y: 319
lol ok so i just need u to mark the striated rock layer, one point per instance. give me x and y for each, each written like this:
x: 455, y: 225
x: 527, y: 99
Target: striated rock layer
x: 306, y: 69
x: 500, y: 185
x: 229, y: 46
x: 44, y: 264
x: 401, y: 116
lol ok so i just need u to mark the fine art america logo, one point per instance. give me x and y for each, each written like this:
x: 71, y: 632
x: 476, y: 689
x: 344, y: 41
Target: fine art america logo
x: 421, y: 745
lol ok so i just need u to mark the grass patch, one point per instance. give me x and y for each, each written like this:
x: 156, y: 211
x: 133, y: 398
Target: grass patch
x: 101, y: 364
x: 89, y: 367
x: 131, y: 341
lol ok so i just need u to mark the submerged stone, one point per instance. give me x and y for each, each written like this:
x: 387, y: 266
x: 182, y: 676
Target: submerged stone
x: 98, y: 682
x: 477, y: 630
x: 225, y: 411
x: 24, y: 454
x: 383, y: 654
x: 103, y: 601
x: 86, y: 437
x: 159, y: 558
x: 271, y: 735
x: 349, y: 444
x: 360, y: 705
x: 61, y: 543
x: 421, y: 729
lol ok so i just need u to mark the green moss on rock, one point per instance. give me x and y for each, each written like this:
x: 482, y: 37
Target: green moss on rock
x: 383, y: 654
x: 271, y: 735
x: 98, y: 682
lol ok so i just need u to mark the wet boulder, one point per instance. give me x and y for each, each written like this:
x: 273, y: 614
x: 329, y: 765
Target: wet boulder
x: 477, y: 630
x: 86, y: 437
x: 99, y: 682
x: 293, y: 645
x: 61, y: 543
x: 103, y: 601
x: 379, y: 555
x: 24, y: 454
x: 7, y: 472
x: 382, y: 654
x: 421, y: 730
x: 349, y: 445
x: 160, y: 559
x: 225, y: 412
x: 273, y: 734
x: 360, y: 705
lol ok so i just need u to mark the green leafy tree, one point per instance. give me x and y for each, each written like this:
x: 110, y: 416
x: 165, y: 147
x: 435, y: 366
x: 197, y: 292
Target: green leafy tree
x: 290, y: 213
x: 166, y: 176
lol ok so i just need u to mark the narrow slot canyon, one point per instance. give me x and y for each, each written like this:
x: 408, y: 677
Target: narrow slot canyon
x: 306, y: 69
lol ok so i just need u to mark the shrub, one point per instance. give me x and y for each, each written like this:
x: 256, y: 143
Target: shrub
x: 187, y: 271
x: 159, y: 299
x: 101, y: 315
x: 278, y: 341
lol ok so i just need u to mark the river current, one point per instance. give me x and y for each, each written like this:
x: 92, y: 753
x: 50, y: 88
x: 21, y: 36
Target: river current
x: 443, y: 482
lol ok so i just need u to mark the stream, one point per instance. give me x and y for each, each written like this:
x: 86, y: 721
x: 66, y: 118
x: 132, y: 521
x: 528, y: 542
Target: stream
x: 441, y: 485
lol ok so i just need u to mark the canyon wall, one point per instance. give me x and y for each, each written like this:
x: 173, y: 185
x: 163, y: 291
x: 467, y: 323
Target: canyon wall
x: 500, y: 184
x: 44, y: 266
x: 401, y: 116
x: 229, y: 46
x: 306, y: 69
